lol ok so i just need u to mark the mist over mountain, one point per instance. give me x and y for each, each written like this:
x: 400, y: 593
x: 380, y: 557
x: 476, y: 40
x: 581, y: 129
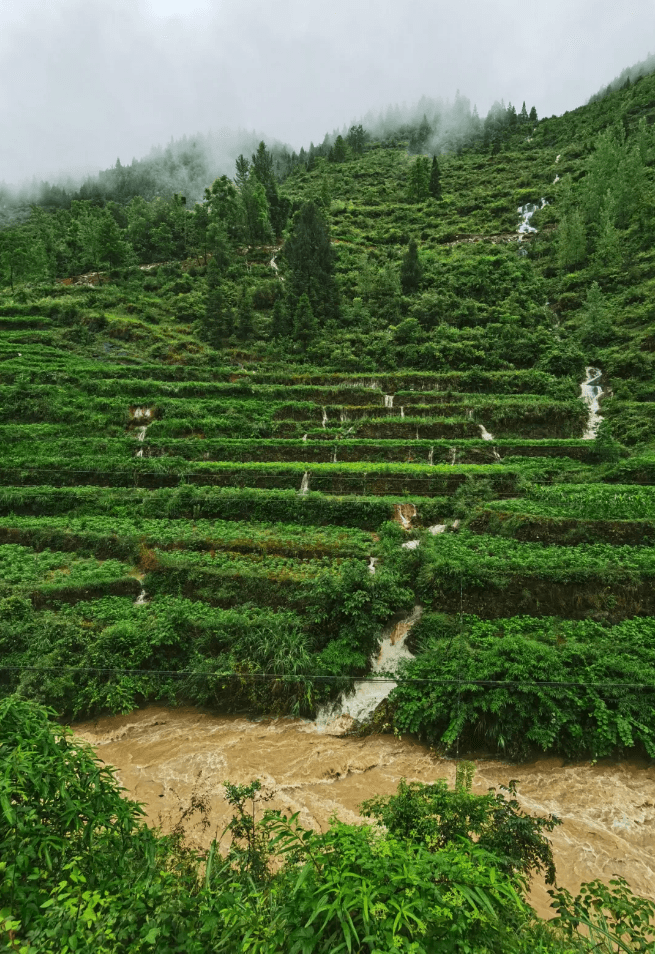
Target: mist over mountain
x: 626, y: 77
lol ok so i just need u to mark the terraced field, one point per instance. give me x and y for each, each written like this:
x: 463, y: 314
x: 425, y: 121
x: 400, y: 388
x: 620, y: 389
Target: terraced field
x: 210, y: 492
x: 240, y: 538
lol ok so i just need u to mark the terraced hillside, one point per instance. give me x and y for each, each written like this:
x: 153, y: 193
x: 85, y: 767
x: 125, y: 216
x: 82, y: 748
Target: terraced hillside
x: 219, y: 484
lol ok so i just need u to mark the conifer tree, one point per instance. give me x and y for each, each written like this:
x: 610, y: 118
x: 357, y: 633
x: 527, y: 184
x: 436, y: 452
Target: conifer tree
x: 419, y: 179
x: 311, y: 261
x: 410, y: 269
x: 572, y: 240
x: 435, y: 179
x: 280, y: 322
x: 244, y: 325
x: 305, y: 326
x: 533, y: 115
x: 212, y: 326
x: 523, y: 115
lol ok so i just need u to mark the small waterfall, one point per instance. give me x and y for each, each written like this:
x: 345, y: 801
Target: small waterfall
x: 343, y: 416
x: 469, y: 413
x: 555, y: 180
x: 141, y: 414
x: 388, y: 400
x: 372, y: 562
x: 526, y: 212
x: 334, y: 455
x: 369, y: 694
x: 402, y: 413
x: 304, y: 437
x: 558, y: 157
x: 484, y: 433
x: 325, y: 417
x: 404, y: 514
x: 590, y: 392
x: 410, y: 545
x: 304, y: 486
x: 453, y: 456
x: 141, y: 599
x: 431, y: 457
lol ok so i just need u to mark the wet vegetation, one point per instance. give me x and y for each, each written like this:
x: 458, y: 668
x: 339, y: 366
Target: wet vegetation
x: 241, y: 436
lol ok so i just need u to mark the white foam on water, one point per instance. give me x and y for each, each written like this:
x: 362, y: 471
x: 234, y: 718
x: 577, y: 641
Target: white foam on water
x: 372, y: 562
x: 334, y: 456
x: 368, y: 694
x: 141, y: 599
x: 388, y: 400
x: 402, y: 413
x: 410, y: 545
x: 526, y: 212
x: 590, y: 392
x: 304, y: 486
x: 304, y: 437
x: 325, y: 417
x: 438, y: 528
x: 431, y: 457
x: 404, y: 514
x: 484, y: 433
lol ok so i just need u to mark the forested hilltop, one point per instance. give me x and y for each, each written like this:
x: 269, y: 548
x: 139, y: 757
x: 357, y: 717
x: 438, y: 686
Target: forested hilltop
x: 402, y: 378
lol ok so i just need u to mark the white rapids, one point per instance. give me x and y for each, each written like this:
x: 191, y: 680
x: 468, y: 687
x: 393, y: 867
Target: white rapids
x: 590, y: 392
x: 526, y: 212
x: 368, y: 694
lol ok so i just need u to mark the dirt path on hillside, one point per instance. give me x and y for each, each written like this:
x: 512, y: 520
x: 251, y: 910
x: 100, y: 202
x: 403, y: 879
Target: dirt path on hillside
x: 174, y: 761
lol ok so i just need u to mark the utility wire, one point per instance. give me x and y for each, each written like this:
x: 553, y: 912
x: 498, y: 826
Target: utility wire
x: 263, y: 676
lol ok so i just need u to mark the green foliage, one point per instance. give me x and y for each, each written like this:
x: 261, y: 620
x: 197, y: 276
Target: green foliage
x: 438, y: 817
x: 564, y: 687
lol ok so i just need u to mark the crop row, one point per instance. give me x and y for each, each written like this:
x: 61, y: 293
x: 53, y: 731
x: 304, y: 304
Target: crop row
x: 202, y: 381
x: 494, y: 576
x: 224, y: 503
x: 125, y: 539
x: 52, y: 576
x: 372, y: 480
x: 299, y: 451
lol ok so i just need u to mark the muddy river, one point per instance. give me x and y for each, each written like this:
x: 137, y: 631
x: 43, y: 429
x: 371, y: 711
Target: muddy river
x: 174, y: 761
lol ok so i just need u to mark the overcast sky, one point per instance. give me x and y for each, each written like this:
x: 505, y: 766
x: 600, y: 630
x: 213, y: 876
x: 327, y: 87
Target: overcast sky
x: 83, y: 82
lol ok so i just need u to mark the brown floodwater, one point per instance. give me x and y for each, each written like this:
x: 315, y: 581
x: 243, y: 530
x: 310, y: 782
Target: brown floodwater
x: 174, y: 761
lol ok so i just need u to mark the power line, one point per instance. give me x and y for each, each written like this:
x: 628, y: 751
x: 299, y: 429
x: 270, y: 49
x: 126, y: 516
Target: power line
x: 264, y: 676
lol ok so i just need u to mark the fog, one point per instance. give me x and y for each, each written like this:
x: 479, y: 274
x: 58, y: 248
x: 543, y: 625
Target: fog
x: 82, y: 84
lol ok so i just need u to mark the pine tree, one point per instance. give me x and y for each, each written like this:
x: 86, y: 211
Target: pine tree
x: 339, y: 151
x: 533, y: 115
x: 280, y: 322
x: 311, y: 261
x: 419, y: 179
x: 212, y: 325
x: 523, y: 115
x: 410, y: 269
x: 242, y: 170
x: 435, y: 179
x: 572, y: 240
x: 245, y: 328
x: 305, y: 327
